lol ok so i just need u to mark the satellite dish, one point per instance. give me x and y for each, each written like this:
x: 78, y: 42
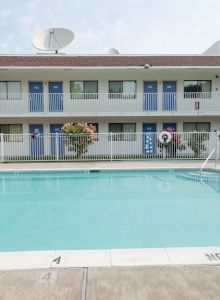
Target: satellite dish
x: 53, y: 39
x: 113, y: 51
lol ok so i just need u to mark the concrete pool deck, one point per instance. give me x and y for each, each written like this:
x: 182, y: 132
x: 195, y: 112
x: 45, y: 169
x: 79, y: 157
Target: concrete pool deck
x: 137, y: 283
x: 108, y: 165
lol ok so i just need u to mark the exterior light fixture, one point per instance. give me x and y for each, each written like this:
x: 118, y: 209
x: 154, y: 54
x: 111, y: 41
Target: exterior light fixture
x: 147, y: 66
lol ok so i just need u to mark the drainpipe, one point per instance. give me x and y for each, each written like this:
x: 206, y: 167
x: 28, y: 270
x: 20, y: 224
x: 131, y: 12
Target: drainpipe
x: 2, y: 148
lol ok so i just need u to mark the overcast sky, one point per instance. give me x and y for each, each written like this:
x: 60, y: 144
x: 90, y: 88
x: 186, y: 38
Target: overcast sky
x: 131, y: 26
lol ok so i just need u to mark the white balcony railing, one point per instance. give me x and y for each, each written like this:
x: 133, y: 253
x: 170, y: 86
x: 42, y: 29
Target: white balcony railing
x: 98, y: 103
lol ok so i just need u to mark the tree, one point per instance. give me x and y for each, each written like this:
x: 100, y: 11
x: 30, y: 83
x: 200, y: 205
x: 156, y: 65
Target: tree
x: 79, y: 136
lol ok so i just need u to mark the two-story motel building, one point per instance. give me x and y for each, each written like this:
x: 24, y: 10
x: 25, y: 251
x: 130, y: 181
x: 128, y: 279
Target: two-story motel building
x: 118, y: 93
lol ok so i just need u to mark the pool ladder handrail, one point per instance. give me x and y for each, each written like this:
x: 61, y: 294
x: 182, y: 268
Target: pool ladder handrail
x: 203, y: 165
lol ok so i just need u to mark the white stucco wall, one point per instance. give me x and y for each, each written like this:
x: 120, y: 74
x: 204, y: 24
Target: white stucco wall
x: 103, y: 76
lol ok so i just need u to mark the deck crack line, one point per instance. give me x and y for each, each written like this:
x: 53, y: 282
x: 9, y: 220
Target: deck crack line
x: 111, y: 257
x: 54, y: 251
x: 84, y: 283
x: 168, y: 256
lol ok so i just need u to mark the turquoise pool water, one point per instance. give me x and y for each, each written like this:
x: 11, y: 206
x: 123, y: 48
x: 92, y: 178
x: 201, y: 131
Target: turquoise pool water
x: 109, y: 209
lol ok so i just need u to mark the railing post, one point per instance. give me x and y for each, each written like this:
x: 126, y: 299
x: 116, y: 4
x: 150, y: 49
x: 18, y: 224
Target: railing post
x: 57, y: 145
x: 164, y: 152
x: 217, y: 142
x: 111, y: 144
x: 46, y: 97
x: 2, y: 148
x: 160, y: 102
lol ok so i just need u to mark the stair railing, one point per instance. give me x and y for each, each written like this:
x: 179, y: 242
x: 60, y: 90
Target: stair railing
x: 203, y: 165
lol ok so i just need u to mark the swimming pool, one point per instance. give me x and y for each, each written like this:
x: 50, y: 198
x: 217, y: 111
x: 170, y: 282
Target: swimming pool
x: 108, y: 209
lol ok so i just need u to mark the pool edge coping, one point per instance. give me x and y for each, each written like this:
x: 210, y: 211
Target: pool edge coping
x: 52, y: 259
x: 83, y: 170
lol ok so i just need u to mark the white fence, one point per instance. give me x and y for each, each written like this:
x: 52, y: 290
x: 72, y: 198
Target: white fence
x: 107, y: 146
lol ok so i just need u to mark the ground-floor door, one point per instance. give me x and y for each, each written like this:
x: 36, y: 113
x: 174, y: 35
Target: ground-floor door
x: 169, y: 125
x: 149, y: 139
x: 172, y: 149
x: 56, y: 142
x: 36, y: 139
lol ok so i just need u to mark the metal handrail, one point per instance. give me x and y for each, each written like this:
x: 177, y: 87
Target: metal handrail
x: 213, y: 150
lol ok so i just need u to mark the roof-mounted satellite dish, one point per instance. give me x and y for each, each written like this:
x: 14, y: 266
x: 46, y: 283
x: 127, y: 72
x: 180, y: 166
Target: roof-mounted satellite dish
x: 113, y: 51
x: 53, y: 39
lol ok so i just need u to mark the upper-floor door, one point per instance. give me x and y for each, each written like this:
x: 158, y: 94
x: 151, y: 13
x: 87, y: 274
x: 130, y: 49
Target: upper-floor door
x: 55, y: 96
x: 150, y: 95
x: 36, y: 100
x: 169, y: 95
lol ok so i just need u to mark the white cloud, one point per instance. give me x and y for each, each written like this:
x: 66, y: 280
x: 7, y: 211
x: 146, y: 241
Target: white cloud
x: 4, y: 46
x: 5, y: 17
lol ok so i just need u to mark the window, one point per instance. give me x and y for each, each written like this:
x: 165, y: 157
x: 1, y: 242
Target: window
x: 84, y: 89
x: 122, y: 89
x: 196, y: 126
x: 10, y: 90
x: 197, y: 89
x: 119, y: 131
x: 13, y: 132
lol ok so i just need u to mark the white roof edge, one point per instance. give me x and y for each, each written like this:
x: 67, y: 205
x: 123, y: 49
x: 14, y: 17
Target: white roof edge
x: 105, y: 67
x: 97, y: 55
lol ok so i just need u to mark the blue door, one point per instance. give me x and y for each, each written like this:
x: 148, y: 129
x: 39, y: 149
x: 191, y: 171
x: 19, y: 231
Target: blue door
x: 36, y: 99
x: 169, y: 95
x: 55, y: 96
x: 150, y: 95
x: 169, y: 125
x: 37, y: 140
x: 54, y: 130
x: 149, y: 130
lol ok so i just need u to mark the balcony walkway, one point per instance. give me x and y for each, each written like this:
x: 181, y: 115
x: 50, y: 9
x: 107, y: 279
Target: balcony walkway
x: 103, y: 104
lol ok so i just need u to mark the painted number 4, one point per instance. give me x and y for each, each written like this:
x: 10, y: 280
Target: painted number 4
x: 46, y: 277
x: 57, y: 260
